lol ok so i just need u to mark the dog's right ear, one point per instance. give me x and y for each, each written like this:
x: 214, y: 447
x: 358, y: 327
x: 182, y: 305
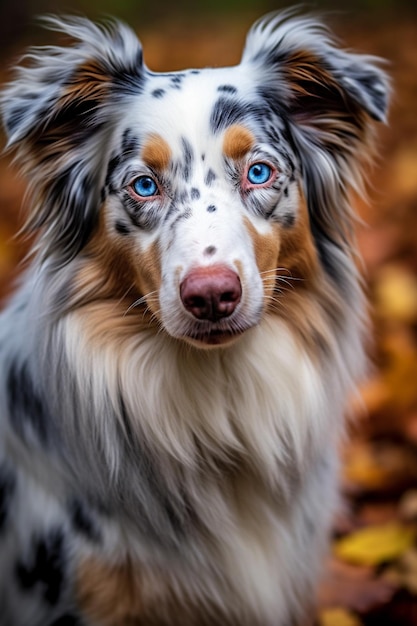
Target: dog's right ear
x: 58, y: 115
x: 330, y: 99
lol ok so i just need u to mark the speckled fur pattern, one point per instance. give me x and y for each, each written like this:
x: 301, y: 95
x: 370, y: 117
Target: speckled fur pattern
x: 166, y: 457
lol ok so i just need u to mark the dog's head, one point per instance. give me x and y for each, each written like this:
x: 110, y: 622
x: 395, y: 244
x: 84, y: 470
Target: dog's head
x: 198, y: 193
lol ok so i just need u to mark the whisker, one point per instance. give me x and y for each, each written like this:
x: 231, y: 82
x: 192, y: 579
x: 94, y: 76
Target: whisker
x: 150, y: 297
x: 126, y: 293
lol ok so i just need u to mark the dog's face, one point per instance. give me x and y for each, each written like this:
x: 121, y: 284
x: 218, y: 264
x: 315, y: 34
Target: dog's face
x: 198, y: 190
x: 205, y: 190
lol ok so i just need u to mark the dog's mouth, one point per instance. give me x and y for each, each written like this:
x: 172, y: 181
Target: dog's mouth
x: 215, y: 337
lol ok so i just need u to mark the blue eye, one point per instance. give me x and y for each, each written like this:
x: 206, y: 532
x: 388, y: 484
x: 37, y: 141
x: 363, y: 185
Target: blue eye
x: 145, y: 186
x: 259, y: 173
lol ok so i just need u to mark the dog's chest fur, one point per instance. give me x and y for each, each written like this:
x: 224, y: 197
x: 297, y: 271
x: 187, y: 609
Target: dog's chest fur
x: 200, y: 515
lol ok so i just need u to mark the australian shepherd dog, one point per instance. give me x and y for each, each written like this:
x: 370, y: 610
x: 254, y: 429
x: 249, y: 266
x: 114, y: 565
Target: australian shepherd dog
x: 176, y: 363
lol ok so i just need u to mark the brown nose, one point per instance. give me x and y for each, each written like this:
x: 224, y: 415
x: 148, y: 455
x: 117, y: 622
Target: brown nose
x: 211, y: 293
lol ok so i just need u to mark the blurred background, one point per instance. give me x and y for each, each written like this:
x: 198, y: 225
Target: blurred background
x: 372, y: 572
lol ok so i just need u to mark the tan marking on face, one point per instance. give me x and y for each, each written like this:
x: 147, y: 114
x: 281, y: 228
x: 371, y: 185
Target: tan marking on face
x: 237, y: 142
x: 156, y: 152
x: 114, y: 276
x: 149, y: 276
x: 287, y: 254
x: 266, y: 248
x: 300, y: 292
x: 298, y: 253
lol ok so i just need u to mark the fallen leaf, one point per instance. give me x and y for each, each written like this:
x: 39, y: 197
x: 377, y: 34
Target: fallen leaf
x: 396, y: 293
x: 338, y: 617
x: 375, y: 544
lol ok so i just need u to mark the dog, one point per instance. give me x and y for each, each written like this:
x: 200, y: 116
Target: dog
x: 178, y: 358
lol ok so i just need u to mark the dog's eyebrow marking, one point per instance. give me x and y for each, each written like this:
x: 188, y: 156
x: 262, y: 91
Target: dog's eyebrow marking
x: 156, y: 152
x: 237, y: 141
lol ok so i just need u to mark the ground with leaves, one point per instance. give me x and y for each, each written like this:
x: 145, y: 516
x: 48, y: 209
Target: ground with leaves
x: 372, y: 573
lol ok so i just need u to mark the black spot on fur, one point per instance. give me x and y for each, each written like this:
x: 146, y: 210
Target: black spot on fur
x: 195, y: 72
x: 330, y: 257
x: 228, y: 111
x: 114, y: 163
x: 210, y: 177
x: 195, y: 194
x: 211, y: 208
x: 287, y: 220
x: 44, y: 569
x: 122, y: 228
x: 7, y: 488
x: 129, y: 148
x: 130, y: 143
x: 177, y: 80
x: 83, y: 522
x: 25, y: 403
x: 128, y: 79
x: 187, y: 152
x: 158, y: 93
x: 72, y: 191
x: 227, y: 89
x: 271, y: 99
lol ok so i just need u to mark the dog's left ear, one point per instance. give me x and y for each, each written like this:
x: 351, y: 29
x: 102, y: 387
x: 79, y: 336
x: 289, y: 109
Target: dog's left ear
x: 59, y: 114
x: 329, y: 97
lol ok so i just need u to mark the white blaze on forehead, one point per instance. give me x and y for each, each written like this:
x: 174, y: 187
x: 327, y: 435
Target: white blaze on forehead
x: 185, y: 108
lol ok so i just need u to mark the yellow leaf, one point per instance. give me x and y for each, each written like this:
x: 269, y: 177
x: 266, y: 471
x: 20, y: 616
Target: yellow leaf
x: 396, y: 293
x: 375, y: 544
x: 338, y: 617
